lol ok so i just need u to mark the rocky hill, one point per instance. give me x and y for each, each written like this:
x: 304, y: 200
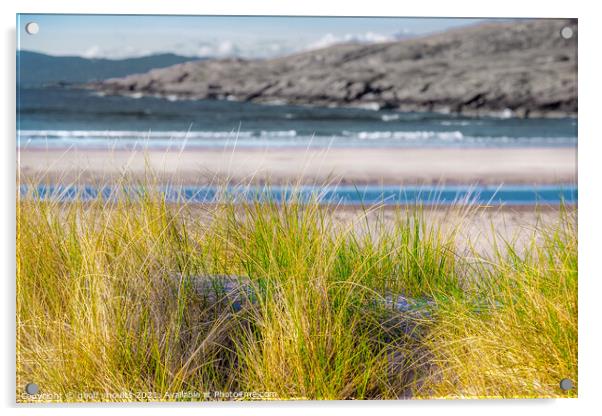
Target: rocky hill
x: 524, y: 66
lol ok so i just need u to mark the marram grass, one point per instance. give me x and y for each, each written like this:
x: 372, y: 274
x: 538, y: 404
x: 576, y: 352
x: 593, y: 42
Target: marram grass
x: 109, y: 304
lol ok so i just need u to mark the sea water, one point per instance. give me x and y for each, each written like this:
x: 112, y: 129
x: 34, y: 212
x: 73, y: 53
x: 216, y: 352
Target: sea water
x: 63, y: 117
x: 57, y: 117
x: 330, y: 195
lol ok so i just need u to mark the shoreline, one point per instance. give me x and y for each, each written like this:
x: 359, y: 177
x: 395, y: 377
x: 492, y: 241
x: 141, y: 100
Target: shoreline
x: 497, y: 113
x: 382, y: 166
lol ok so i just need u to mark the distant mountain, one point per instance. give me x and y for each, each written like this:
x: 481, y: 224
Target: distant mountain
x: 520, y: 67
x: 35, y: 68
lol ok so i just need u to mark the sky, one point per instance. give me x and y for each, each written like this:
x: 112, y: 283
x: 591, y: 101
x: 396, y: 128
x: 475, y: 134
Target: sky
x: 113, y: 36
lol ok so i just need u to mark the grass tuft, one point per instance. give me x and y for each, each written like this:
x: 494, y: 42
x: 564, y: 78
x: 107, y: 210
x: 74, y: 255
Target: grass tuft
x: 135, y: 294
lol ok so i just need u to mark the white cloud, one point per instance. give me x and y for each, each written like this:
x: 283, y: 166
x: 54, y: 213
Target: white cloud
x: 268, y: 48
x: 225, y: 48
x: 369, y: 37
x: 92, y: 52
x: 249, y: 48
x: 97, y: 52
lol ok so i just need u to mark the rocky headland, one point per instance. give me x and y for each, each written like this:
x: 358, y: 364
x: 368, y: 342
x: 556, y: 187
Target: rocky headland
x: 523, y: 68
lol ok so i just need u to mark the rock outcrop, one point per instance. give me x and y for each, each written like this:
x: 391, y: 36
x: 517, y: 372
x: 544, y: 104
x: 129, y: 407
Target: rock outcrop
x: 520, y: 67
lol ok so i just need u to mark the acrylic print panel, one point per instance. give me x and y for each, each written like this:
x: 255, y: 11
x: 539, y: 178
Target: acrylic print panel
x: 315, y: 208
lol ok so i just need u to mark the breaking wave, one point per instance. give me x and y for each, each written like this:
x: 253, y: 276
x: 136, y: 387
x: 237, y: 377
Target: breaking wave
x: 273, y: 138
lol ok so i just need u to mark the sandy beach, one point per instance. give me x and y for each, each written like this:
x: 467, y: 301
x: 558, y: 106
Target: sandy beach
x: 365, y: 166
x: 340, y: 165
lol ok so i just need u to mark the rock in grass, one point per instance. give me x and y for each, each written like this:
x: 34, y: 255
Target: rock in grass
x: 235, y: 291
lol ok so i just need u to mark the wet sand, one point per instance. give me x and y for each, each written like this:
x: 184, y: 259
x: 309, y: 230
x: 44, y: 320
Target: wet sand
x: 277, y: 166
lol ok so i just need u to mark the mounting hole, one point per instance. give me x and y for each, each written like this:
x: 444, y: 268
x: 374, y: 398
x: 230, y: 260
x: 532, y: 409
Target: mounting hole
x: 566, y: 32
x: 32, y: 388
x: 566, y: 384
x: 32, y: 28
